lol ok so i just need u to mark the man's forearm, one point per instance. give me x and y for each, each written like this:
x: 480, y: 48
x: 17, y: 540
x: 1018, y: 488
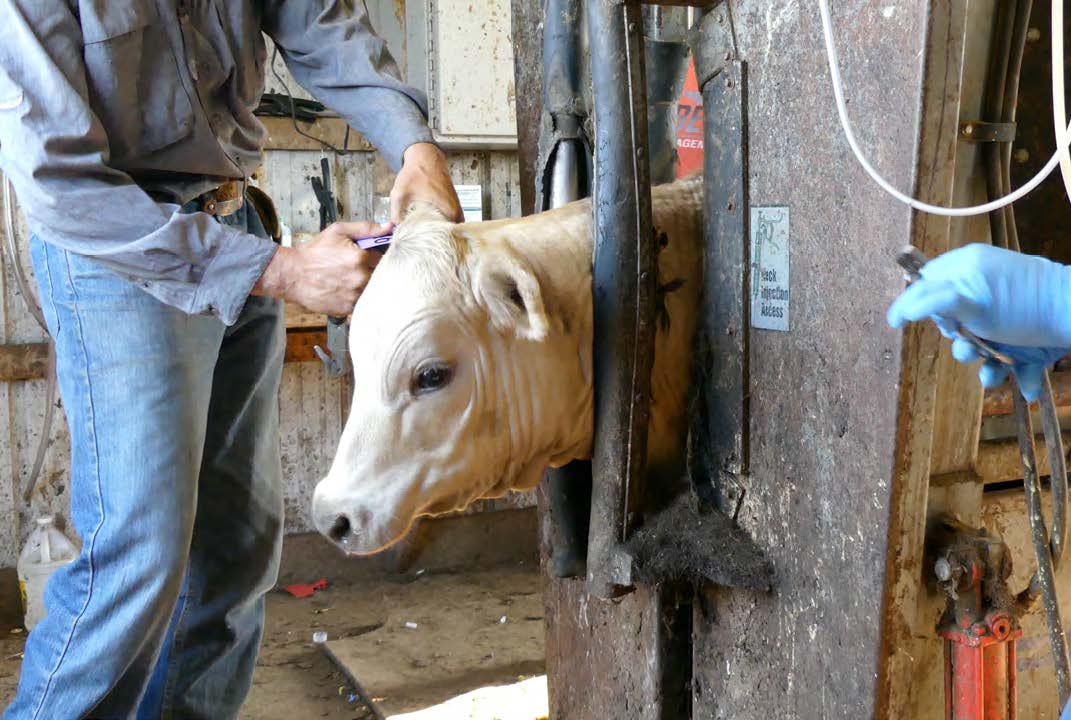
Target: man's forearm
x: 331, y: 49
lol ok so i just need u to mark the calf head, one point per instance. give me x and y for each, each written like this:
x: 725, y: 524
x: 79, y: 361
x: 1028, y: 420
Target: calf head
x: 471, y: 351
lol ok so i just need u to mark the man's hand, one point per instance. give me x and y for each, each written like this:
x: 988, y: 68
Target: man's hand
x: 424, y: 177
x: 1020, y: 303
x: 326, y: 275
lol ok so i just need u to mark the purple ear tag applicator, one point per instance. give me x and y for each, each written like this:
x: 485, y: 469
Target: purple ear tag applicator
x: 375, y: 243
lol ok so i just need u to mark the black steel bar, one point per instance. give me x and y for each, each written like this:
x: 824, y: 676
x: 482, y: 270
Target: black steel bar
x: 993, y: 108
x: 1020, y: 28
x: 526, y: 20
x: 561, y: 57
x: 666, y: 67
x: 667, y: 64
x: 624, y: 283
x: 1044, y: 581
x: 722, y: 455
x: 1050, y: 420
x: 567, y: 489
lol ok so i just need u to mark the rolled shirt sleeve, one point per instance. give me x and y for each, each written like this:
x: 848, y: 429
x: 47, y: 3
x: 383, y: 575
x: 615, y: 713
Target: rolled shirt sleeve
x: 56, y: 152
x: 330, y: 48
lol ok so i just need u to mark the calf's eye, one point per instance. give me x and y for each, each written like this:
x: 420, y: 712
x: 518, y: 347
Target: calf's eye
x: 431, y: 378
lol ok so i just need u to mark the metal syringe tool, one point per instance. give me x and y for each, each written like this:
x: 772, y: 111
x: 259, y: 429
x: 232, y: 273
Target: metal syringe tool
x: 912, y: 260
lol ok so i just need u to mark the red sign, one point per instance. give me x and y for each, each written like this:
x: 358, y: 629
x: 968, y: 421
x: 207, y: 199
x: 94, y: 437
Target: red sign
x: 690, y: 127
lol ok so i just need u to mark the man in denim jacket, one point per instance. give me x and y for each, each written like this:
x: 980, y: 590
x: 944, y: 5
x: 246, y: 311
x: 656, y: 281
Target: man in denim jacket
x: 127, y: 129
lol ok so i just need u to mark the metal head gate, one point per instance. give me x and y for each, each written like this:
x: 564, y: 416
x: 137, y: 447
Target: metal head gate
x: 817, y: 433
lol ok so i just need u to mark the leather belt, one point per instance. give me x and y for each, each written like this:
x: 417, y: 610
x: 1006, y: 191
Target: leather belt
x: 225, y: 200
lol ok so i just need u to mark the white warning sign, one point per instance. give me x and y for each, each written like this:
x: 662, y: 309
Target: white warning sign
x: 770, y: 251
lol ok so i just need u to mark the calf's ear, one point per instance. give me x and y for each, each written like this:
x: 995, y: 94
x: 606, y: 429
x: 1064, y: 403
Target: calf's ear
x: 505, y: 285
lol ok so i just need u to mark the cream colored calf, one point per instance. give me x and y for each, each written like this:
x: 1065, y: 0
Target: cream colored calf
x: 472, y: 357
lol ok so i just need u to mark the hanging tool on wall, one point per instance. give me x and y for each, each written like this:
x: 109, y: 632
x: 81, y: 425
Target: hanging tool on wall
x: 336, y: 358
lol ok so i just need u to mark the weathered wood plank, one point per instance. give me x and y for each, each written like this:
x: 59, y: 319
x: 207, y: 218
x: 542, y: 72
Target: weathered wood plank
x: 1000, y: 461
x: 528, y: 77
x: 300, y: 344
x: 299, y: 317
x: 503, y: 190
x: 282, y: 135
x: 601, y: 653
x: 30, y: 361
x: 26, y: 361
x: 998, y: 401
x: 309, y: 407
x: 945, y: 434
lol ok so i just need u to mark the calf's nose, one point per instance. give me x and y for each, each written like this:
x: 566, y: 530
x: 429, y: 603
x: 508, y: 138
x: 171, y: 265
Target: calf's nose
x: 340, y: 529
x: 341, y: 525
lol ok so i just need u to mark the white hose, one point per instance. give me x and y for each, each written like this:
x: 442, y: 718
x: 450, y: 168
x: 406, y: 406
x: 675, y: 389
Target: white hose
x: 842, y: 111
x: 13, y: 256
x: 1059, y: 106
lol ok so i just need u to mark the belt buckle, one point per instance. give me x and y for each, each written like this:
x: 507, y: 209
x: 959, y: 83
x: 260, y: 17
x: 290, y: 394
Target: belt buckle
x: 225, y: 200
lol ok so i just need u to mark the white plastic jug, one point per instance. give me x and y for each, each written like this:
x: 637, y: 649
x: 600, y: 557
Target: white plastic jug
x: 46, y: 550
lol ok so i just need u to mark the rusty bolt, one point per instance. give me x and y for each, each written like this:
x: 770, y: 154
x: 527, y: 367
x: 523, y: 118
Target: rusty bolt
x: 968, y: 129
x: 1022, y: 155
x: 1000, y: 625
x: 1033, y: 35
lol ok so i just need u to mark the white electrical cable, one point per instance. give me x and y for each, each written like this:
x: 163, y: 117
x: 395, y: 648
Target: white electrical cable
x: 1059, y: 103
x: 842, y: 111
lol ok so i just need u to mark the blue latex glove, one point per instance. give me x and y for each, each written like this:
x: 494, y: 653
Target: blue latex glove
x: 1020, y: 303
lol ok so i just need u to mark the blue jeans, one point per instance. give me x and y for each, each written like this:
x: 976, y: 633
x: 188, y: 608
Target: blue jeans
x: 175, y: 493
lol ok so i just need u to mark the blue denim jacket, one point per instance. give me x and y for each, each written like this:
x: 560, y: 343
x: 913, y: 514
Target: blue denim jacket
x: 103, y: 102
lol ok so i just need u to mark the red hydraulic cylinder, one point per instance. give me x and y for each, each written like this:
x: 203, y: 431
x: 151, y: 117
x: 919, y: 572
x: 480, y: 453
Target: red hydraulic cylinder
x: 963, y: 686
x: 980, y: 680
x: 980, y: 623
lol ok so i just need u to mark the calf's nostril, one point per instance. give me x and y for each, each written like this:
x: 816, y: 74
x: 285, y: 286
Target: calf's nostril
x: 340, y: 529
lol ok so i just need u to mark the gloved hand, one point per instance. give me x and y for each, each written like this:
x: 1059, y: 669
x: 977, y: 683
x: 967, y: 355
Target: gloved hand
x: 1020, y: 303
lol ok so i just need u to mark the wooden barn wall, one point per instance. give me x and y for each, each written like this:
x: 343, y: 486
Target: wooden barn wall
x: 313, y: 406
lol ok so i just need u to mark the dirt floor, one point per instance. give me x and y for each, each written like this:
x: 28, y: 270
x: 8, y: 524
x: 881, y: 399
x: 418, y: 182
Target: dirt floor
x: 295, y: 678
